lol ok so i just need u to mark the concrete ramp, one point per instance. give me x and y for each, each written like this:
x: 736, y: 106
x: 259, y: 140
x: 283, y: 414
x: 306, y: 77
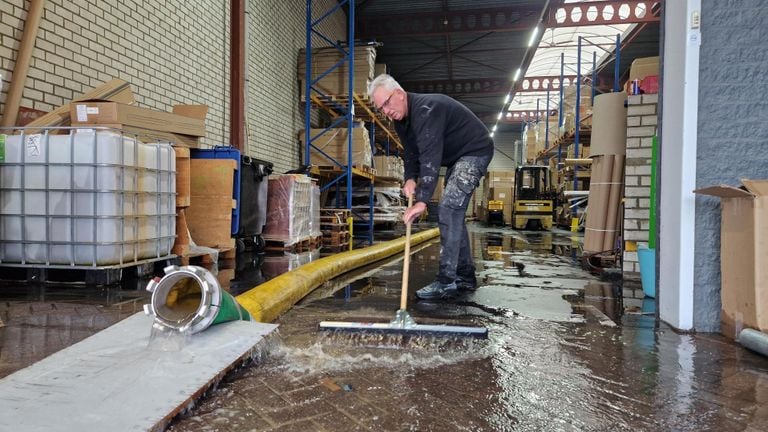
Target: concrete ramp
x: 116, y: 380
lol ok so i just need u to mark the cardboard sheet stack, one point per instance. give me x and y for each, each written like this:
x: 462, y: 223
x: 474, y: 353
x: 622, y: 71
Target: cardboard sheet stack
x: 183, y: 199
x: 608, y: 147
x: 336, y: 82
x: 389, y: 167
x: 290, y: 211
x: 334, y: 144
x: 209, y: 216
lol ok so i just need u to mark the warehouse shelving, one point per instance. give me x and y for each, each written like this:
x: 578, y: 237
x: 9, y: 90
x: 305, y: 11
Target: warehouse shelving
x: 343, y: 176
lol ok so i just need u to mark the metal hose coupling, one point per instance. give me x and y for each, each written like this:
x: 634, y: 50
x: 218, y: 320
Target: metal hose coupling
x: 190, y: 299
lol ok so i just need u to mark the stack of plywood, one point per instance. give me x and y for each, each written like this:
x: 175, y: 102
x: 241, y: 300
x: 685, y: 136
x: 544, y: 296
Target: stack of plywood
x: 333, y: 143
x: 606, y: 189
x: 336, y: 82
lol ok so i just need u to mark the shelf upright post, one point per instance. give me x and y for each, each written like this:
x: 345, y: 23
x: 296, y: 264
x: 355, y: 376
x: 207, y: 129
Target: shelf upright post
x: 594, y: 75
x: 578, y: 118
x: 546, y: 134
x: 308, y: 86
x: 560, y: 110
x: 350, y: 93
x: 616, y: 63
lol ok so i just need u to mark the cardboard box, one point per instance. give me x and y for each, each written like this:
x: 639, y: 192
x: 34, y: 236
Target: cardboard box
x: 643, y: 67
x: 118, y: 114
x: 333, y: 143
x: 501, y: 194
x: 743, y: 255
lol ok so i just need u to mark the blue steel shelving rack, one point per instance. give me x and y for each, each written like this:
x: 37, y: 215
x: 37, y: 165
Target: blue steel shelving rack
x: 346, y: 118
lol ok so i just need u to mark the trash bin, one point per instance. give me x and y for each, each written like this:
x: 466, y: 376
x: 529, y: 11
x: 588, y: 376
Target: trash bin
x: 647, y: 258
x: 253, y: 202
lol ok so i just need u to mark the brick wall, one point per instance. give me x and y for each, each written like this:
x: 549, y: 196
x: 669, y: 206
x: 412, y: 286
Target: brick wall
x: 641, y: 127
x: 171, y: 53
x: 84, y: 43
x: 276, y: 33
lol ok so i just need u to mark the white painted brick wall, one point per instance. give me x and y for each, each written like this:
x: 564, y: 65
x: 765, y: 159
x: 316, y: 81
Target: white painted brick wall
x: 275, y: 116
x: 172, y: 53
x: 641, y: 127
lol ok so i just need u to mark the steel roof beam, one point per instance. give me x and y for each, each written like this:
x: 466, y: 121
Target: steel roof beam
x: 542, y: 83
x: 497, y: 85
x: 512, y: 117
x: 604, y: 13
x: 518, y: 18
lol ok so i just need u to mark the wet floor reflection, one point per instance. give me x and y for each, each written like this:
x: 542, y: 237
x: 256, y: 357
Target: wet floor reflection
x: 566, y: 352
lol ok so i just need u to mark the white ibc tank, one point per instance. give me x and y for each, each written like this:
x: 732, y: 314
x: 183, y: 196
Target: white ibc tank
x: 90, y: 197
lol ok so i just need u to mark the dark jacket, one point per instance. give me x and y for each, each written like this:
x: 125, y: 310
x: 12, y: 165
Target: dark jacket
x: 437, y: 132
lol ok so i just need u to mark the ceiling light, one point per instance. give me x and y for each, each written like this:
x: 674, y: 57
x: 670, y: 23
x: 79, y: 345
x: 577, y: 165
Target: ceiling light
x: 533, y: 36
x: 506, y: 99
x: 494, y: 128
x: 517, y: 74
x: 500, y: 114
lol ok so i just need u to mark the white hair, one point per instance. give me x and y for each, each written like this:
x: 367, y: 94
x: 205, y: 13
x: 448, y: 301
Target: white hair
x: 385, y: 81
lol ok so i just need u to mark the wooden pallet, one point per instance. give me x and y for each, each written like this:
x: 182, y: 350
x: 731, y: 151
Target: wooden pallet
x: 335, y: 238
x: 337, y: 169
x: 304, y: 245
x: 206, y: 259
x: 334, y: 215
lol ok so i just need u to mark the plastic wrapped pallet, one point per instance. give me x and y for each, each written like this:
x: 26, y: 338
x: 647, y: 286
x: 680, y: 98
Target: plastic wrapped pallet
x: 289, y: 200
x: 85, y: 198
x: 336, y: 81
x: 314, y: 209
x: 332, y: 145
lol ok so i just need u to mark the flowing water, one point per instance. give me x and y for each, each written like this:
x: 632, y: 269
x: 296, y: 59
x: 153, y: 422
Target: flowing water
x: 566, y: 352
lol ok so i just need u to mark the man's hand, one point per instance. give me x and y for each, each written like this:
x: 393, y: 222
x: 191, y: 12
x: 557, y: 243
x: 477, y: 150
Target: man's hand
x: 409, y: 188
x: 413, y: 212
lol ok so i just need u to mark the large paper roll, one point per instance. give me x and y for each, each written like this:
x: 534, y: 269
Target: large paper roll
x: 609, y: 125
x: 594, y: 232
x: 614, y: 202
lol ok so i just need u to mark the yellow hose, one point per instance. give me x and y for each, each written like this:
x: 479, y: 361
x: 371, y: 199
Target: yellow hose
x: 269, y: 300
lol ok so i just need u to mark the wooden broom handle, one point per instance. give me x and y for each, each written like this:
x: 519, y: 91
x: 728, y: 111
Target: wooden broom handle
x: 406, y: 260
x: 23, y: 58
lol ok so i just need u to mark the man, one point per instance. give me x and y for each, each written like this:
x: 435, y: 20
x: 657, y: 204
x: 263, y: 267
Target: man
x: 439, y: 131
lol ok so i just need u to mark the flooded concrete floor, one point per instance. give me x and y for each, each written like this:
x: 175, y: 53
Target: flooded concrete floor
x: 566, y: 352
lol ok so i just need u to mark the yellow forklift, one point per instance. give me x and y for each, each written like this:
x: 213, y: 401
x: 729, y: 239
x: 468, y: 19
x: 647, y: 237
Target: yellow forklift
x: 533, y: 198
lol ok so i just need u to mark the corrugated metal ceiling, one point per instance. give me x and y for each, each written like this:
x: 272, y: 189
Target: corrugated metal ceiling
x: 450, y: 46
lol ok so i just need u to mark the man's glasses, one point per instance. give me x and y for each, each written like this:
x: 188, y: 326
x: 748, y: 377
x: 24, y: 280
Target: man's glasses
x: 386, y: 102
